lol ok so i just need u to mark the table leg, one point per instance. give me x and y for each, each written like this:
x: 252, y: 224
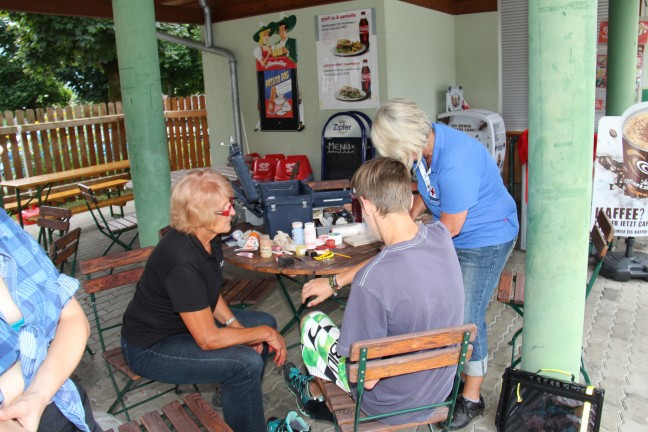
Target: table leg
x: 20, y: 220
x: 296, y: 318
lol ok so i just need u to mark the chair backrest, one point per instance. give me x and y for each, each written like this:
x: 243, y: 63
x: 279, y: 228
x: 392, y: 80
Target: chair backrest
x: 264, y: 169
x: 284, y: 170
x: 124, y: 269
x: 602, y: 237
x: 399, y: 355
x: 92, y: 202
x: 52, y: 219
x: 64, y: 248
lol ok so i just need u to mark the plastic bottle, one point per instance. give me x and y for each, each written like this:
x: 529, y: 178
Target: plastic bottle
x: 365, y: 77
x: 363, y: 29
x: 356, y: 209
x: 298, y: 233
x: 310, y: 235
x: 265, y: 246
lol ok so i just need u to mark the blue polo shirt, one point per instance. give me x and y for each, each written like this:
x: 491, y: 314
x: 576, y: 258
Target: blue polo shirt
x: 464, y: 176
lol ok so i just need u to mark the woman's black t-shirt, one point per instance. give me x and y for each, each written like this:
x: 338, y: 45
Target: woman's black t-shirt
x: 179, y: 276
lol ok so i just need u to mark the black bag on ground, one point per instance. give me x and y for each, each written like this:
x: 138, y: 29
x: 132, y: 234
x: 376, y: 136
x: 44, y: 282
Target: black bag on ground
x: 530, y: 402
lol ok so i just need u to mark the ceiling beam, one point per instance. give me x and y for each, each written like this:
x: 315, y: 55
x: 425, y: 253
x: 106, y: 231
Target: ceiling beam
x: 95, y: 9
x: 236, y: 10
x: 457, y: 7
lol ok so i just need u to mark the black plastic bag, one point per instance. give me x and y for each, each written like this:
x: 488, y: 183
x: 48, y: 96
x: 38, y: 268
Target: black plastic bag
x: 530, y: 402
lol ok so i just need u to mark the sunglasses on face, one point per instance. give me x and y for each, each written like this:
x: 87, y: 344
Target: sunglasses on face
x: 228, y: 210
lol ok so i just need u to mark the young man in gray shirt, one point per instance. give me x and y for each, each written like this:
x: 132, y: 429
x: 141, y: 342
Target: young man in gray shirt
x: 414, y: 284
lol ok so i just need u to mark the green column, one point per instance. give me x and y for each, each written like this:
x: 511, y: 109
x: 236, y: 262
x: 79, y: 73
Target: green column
x: 623, y: 29
x: 562, y: 53
x: 139, y: 69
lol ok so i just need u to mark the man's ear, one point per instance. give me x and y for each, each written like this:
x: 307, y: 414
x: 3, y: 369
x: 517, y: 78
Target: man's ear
x: 367, y: 206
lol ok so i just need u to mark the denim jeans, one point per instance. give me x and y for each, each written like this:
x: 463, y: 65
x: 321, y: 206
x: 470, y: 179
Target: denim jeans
x: 54, y: 420
x: 238, y: 369
x: 481, y: 269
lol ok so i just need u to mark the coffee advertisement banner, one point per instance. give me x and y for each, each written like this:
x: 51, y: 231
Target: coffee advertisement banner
x: 347, y: 61
x: 621, y: 171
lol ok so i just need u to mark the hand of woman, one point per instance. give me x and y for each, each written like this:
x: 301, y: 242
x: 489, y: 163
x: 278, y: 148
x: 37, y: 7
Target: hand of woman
x: 318, y: 288
x: 26, y: 410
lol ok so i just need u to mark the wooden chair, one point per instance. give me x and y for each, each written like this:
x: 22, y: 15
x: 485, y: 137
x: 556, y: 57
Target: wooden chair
x: 400, y: 355
x: 108, y: 273
x: 52, y: 219
x: 193, y: 414
x: 64, y: 250
x: 511, y: 285
x: 113, y: 228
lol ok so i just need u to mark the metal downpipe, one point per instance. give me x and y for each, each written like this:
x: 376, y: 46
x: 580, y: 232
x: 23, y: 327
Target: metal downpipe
x: 232, y: 65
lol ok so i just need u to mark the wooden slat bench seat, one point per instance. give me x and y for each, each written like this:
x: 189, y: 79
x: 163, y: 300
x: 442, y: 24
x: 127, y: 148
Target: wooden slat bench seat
x: 63, y: 196
x: 193, y: 414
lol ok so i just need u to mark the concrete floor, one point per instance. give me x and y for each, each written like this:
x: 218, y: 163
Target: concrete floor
x: 615, y: 346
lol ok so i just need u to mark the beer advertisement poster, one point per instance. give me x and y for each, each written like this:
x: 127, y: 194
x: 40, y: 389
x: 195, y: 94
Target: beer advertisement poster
x: 347, y: 62
x: 276, y: 69
x: 621, y: 171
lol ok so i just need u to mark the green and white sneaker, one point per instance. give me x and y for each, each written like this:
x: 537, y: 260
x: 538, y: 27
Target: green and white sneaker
x: 298, y: 384
x: 291, y: 423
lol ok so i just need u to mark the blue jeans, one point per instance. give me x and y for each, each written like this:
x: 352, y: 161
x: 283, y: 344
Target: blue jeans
x: 238, y: 369
x: 481, y: 269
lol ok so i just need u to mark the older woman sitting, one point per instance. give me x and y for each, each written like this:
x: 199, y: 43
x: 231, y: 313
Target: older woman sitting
x: 178, y: 329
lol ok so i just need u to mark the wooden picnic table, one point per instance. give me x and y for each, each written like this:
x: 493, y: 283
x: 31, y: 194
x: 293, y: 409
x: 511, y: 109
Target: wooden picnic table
x: 44, y: 182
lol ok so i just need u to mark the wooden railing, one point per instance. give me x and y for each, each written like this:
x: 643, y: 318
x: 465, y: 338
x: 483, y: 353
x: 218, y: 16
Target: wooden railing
x: 44, y: 141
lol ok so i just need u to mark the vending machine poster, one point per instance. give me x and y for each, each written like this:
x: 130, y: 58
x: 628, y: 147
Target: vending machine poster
x: 276, y: 69
x: 347, y: 62
x: 621, y: 171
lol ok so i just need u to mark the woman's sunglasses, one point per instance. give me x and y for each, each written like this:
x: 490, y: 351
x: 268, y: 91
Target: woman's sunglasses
x: 228, y: 210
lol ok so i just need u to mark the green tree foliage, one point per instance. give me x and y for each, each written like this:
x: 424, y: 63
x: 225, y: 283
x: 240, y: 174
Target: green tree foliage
x: 81, y: 53
x: 20, y: 89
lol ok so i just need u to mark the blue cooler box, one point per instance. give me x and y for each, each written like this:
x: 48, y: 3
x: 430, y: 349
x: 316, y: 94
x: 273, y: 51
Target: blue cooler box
x: 285, y: 202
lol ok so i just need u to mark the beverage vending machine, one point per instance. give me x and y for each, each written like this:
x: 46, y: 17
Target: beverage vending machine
x: 346, y: 144
x: 486, y: 126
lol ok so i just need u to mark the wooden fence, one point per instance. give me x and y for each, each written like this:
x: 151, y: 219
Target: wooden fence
x: 49, y: 140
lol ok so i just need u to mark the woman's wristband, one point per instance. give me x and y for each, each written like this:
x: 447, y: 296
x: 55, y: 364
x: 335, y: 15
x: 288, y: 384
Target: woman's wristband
x: 230, y: 321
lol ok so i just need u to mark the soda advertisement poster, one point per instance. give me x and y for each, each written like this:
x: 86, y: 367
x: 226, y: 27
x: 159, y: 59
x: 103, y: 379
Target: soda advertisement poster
x: 347, y: 63
x: 621, y: 171
x: 276, y: 69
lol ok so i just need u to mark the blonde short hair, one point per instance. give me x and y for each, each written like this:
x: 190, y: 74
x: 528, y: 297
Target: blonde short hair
x: 196, y: 198
x: 386, y: 183
x: 400, y: 130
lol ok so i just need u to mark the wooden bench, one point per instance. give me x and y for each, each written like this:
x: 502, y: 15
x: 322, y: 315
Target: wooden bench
x: 400, y: 355
x: 193, y: 414
x: 510, y: 290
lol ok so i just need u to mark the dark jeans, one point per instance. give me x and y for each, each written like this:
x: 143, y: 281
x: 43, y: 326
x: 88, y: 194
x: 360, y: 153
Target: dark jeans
x: 238, y: 369
x: 53, y: 419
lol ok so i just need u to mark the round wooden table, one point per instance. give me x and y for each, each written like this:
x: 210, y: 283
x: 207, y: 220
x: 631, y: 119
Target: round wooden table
x: 304, y: 266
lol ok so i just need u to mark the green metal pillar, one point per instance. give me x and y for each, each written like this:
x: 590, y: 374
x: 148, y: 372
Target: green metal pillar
x: 562, y: 54
x: 623, y: 29
x: 139, y: 69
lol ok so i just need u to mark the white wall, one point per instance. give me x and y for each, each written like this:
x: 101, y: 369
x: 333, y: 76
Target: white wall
x: 417, y: 57
x: 420, y: 47
x: 477, y: 59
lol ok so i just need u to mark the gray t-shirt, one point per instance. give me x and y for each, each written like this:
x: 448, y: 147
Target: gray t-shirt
x: 409, y: 287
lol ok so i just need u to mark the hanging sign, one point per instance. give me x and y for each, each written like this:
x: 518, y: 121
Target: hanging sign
x: 276, y: 66
x: 621, y: 171
x: 347, y: 62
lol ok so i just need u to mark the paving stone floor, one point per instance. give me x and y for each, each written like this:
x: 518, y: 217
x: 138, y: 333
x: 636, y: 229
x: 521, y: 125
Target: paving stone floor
x: 615, y: 346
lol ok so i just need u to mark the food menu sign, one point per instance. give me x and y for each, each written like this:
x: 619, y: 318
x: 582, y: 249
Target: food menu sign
x: 621, y: 171
x: 347, y: 63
